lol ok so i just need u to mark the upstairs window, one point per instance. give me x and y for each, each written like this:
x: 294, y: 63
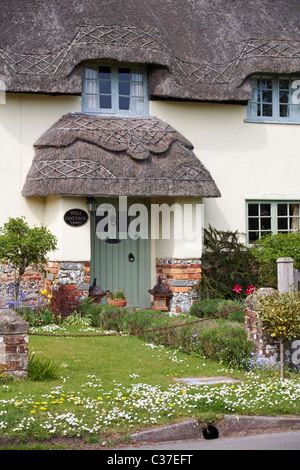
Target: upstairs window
x: 275, y: 100
x: 266, y: 217
x: 120, y: 90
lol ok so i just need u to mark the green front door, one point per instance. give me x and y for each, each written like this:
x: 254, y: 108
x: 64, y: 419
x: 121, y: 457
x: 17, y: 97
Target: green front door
x: 119, y: 261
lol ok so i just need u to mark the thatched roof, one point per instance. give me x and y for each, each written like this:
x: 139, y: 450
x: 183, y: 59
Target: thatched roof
x: 195, y: 49
x: 107, y: 156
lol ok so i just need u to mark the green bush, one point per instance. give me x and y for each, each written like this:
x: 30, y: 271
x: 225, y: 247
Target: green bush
x: 218, y: 340
x: 269, y: 248
x: 210, y: 307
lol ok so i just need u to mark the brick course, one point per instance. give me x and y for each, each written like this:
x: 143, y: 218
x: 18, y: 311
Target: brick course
x: 13, y: 344
x: 76, y: 274
x: 181, y: 275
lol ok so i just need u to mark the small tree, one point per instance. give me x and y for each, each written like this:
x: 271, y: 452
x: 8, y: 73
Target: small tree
x: 23, y: 246
x: 280, y: 318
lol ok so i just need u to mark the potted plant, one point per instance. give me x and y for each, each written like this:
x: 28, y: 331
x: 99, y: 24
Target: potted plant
x: 117, y: 298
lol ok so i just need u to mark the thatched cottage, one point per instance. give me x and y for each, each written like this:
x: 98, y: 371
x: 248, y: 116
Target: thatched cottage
x: 191, y: 105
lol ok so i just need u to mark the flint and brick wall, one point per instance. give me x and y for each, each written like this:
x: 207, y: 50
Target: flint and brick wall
x: 181, y: 275
x: 76, y: 275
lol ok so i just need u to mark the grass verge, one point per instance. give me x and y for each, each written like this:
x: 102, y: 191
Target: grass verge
x: 112, y: 386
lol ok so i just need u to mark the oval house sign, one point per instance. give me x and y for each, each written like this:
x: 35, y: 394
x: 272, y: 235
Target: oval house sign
x: 76, y: 217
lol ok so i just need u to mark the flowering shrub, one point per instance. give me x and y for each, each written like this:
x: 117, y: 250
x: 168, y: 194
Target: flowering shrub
x: 35, y: 313
x: 64, y: 301
x: 280, y: 318
x: 238, y: 289
x: 225, y: 260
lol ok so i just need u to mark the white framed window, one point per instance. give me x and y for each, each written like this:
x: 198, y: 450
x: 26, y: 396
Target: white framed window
x: 275, y: 99
x: 115, y: 89
x: 264, y: 217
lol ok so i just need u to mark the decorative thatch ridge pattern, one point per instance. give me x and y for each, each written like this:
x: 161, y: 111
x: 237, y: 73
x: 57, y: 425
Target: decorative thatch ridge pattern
x: 105, y: 156
x: 195, y: 49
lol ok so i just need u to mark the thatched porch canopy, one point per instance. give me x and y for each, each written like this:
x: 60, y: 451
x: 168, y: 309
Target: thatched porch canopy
x: 89, y: 155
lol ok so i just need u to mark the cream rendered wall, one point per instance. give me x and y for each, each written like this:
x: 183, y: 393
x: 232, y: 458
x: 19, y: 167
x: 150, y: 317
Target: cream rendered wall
x: 246, y: 160
x: 73, y: 242
x: 183, y: 222
x: 23, y: 119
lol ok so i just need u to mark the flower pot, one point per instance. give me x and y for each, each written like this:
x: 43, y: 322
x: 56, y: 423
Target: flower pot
x: 117, y: 302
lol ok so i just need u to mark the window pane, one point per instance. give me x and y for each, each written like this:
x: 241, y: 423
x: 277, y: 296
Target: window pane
x: 137, y: 89
x: 282, y: 209
x: 294, y: 223
x: 253, y: 224
x: 284, y: 84
x: 294, y: 209
x: 253, y: 209
x: 284, y: 110
x: 283, y: 96
x: 91, y: 86
x: 253, y: 236
x: 124, y: 102
x: 267, y: 110
x: 265, y: 223
x: 124, y: 88
x: 92, y: 101
x: 105, y: 101
x: 266, y: 83
x: 294, y: 213
x: 267, y: 96
x: 124, y: 74
x: 105, y: 73
x: 137, y: 76
x: 105, y: 86
x: 91, y: 72
x: 282, y: 224
x: 136, y: 104
x: 265, y: 210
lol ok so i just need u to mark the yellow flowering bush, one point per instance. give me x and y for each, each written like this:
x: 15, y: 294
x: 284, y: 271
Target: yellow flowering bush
x: 280, y: 318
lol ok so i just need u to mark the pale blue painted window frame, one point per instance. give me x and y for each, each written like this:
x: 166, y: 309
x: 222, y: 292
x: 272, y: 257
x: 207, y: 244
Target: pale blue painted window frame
x: 294, y: 109
x: 274, y: 217
x: 114, y: 110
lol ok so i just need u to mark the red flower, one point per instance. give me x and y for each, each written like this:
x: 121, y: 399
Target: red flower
x: 250, y: 290
x: 237, y: 289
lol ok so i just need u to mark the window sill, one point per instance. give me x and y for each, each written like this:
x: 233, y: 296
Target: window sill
x: 252, y: 121
x: 117, y: 114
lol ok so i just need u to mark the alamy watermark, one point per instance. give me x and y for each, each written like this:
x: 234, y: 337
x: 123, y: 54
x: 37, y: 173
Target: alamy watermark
x: 295, y: 352
x: 295, y: 97
x: 157, y: 221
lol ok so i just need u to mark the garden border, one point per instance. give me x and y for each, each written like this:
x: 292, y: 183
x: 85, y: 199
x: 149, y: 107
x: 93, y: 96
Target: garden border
x: 138, y: 331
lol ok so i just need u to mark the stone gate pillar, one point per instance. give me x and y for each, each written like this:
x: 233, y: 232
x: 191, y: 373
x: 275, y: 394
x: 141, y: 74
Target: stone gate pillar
x: 264, y: 346
x: 13, y: 343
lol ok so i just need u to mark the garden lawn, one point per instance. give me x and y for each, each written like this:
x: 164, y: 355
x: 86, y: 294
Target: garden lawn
x: 114, y: 385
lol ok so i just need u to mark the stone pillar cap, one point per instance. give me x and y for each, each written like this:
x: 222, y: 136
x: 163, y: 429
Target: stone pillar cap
x: 12, y: 323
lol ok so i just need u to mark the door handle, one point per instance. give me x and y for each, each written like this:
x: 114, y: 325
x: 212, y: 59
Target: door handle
x: 131, y: 257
